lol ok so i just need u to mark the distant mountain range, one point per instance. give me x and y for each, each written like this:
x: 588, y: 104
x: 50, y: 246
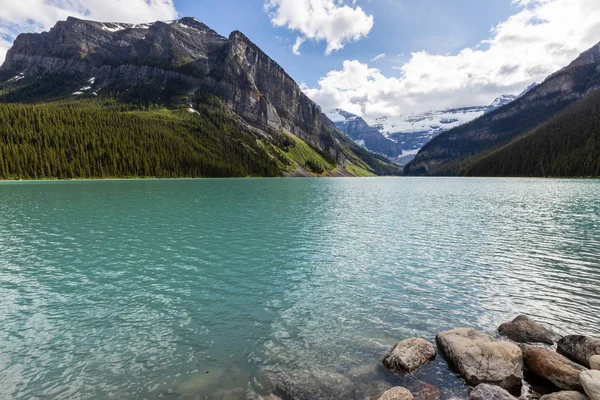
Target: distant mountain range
x: 400, y: 138
x: 181, y: 73
x: 552, y: 130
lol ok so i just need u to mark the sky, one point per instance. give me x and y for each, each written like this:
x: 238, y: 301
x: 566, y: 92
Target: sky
x: 370, y: 57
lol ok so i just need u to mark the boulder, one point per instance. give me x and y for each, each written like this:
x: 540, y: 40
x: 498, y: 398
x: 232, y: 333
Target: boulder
x: 490, y: 392
x: 397, y: 393
x: 579, y: 348
x: 525, y: 330
x: 553, y: 367
x: 409, y: 355
x: 590, y: 380
x: 566, y: 395
x: 479, y: 358
x: 595, y: 362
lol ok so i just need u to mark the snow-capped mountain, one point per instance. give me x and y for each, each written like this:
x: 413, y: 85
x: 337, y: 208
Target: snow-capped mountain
x: 364, y: 135
x: 500, y: 102
x: 508, y: 98
x: 409, y: 133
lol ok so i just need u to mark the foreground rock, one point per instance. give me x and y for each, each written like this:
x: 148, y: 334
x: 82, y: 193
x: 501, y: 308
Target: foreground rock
x: 579, y: 348
x: 595, y: 362
x: 490, y: 392
x: 397, y: 393
x: 566, y: 395
x: 553, y: 367
x: 590, y: 380
x: 479, y: 358
x: 525, y: 330
x: 409, y: 355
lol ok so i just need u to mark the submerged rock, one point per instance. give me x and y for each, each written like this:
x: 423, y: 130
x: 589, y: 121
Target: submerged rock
x: 490, y: 392
x: 313, y: 385
x: 590, y: 380
x: 595, y: 362
x: 479, y: 358
x: 553, y: 367
x: 397, y: 393
x: 525, y: 330
x: 409, y: 355
x: 565, y: 395
x: 579, y: 348
x: 427, y: 392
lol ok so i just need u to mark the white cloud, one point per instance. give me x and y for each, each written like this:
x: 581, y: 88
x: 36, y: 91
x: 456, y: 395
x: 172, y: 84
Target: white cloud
x: 378, y: 57
x: 540, y: 38
x: 335, y: 23
x: 39, y: 15
x: 296, y: 46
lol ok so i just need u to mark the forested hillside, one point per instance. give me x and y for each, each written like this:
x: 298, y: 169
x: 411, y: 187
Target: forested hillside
x: 104, y: 138
x: 566, y: 146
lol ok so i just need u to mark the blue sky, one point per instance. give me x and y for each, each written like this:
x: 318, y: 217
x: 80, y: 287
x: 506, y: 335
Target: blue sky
x: 400, y: 28
x: 370, y: 57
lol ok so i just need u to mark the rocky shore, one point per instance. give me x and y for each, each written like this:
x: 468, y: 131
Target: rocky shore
x: 526, y: 353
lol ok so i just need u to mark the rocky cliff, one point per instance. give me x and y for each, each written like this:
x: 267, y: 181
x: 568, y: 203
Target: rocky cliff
x: 170, y: 62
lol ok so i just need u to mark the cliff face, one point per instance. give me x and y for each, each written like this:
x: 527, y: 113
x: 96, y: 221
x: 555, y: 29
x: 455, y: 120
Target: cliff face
x: 169, y: 62
x: 445, y: 154
x: 366, y: 136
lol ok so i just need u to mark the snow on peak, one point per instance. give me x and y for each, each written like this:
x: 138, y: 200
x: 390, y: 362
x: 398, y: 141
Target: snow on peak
x: 114, y: 27
x: 338, y: 115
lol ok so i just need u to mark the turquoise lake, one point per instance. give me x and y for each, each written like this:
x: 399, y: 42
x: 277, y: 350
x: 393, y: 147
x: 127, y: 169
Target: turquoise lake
x: 225, y: 289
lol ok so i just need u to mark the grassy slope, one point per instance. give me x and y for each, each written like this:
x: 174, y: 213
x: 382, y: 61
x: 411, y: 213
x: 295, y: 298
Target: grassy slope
x: 568, y: 145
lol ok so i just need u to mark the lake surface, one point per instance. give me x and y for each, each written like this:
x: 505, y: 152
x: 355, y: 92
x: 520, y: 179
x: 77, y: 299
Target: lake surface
x: 223, y: 289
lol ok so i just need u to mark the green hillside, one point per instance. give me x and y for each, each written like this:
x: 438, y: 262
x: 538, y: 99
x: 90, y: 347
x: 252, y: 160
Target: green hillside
x: 104, y: 139
x: 568, y: 145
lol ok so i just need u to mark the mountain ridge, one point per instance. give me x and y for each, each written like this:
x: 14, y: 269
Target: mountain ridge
x: 445, y: 154
x: 169, y: 63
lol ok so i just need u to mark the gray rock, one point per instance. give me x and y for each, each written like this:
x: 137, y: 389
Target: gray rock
x: 525, y: 330
x: 565, y: 395
x: 397, y: 393
x: 490, y: 392
x: 590, y: 380
x: 409, y: 355
x: 595, y: 362
x: 479, y: 358
x: 579, y: 348
x: 553, y: 367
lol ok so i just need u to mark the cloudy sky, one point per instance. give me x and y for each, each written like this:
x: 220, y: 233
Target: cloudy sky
x: 371, y: 57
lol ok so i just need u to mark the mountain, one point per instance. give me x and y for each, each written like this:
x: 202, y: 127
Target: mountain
x: 452, y: 151
x: 183, y: 65
x: 400, y: 138
x: 500, y: 102
x: 508, y: 98
x: 565, y: 146
x: 364, y: 135
x: 412, y: 132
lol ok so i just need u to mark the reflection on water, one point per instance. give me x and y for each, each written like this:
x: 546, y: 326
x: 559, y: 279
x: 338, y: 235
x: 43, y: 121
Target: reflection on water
x: 223, y: 289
